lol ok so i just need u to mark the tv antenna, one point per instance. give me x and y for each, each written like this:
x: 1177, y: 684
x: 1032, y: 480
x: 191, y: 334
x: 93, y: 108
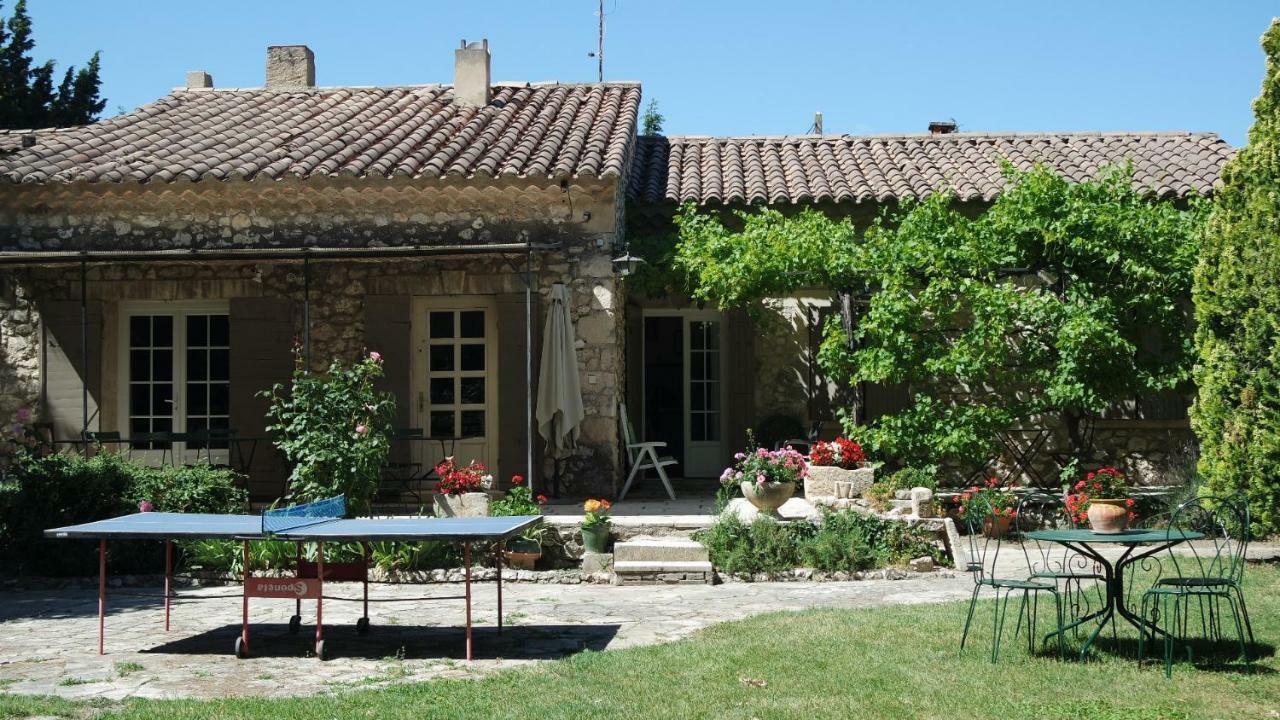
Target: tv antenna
x: 599, y: 53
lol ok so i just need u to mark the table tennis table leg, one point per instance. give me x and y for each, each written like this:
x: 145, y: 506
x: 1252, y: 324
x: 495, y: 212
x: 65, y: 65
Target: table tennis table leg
x: 497, y: 563
x: 242, y: 649
x: 102, y: 596
x: 297, y: 607
x: 365, y: 581
x: 320, y: 601
x: 466, y: 565
x: 168, y: 580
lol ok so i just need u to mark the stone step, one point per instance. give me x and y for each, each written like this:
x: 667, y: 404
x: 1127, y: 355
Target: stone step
x: 628, y: 567
x: 659, y: 550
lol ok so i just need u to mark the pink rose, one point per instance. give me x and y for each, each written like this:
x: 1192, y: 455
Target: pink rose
x: 362, y: 429
x: 145, y: 506
x: 375, y: 356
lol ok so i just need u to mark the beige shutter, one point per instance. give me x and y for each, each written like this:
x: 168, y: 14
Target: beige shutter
x: 262, y: 332
x: 64, y: 375
x: 388, y: 323
x: 513, y: 388
x: 740, y: 378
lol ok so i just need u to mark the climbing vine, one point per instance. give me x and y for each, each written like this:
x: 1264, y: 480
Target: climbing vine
x: 1061, y: 299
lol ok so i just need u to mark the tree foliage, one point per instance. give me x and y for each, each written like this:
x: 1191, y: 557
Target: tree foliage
x: 651, y: 122
x: 28, y: 97
x: 1060, y: 300
x: 1237, y: 300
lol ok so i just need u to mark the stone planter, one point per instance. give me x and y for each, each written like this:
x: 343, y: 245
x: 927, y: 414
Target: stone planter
x: 474, y: 504
x: 1108, y: 517
x: 595, y: 538
x: 821, y: 480
x: 772, y: 497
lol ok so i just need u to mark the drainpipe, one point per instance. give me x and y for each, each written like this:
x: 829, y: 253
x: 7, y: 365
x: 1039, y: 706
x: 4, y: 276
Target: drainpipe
x: 84, y: 352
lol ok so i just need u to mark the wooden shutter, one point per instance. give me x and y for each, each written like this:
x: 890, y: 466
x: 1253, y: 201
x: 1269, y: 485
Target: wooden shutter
x: 262, y: 331
x: 65, y: 374
x: 388, y: 323
x: 740, y: 378
x: 513, y: 390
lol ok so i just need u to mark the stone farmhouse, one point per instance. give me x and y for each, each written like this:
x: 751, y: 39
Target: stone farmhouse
x: 161, y: 267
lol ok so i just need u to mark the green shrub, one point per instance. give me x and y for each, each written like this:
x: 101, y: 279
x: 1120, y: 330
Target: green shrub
x: 57, y: 490
x: 762, y: 546
x: 187, y: 489
x: 845, y: 541
x: 1237, y: 299
x: 883, y: 490
x: 334, y: 428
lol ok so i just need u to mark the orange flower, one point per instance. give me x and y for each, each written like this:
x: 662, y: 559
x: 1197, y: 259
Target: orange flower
x: 591, y: 506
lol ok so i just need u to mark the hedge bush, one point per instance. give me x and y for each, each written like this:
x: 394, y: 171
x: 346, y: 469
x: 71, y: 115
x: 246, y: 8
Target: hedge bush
x: 845, y: 541
x: 1237, y: 299
x: 56, y: 490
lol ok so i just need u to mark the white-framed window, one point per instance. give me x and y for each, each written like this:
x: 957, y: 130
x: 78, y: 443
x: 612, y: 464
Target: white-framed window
x: 175, y: 376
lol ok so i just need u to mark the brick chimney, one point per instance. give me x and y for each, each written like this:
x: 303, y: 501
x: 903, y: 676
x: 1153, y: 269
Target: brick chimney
x: 942, y: 127
x: 471, y: 74
x: 290, y: 67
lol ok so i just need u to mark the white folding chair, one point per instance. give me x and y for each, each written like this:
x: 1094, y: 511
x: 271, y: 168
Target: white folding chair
x: 643, y: 456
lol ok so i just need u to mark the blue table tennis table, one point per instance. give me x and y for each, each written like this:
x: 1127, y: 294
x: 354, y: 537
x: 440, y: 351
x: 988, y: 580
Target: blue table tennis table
x: 317, y: 523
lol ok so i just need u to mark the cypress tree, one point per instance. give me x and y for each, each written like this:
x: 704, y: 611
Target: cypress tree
x: 1237, y: 296
x: 28, y: 98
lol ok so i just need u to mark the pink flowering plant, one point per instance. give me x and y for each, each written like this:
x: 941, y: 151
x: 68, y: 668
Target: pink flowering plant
x: 334, y: 428
x: 18, y: 437
x: 761, y: 467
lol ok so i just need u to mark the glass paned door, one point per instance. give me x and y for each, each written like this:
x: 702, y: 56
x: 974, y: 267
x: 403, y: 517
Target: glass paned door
x: 704, y: 447
x: 457, y: 378
x: 176, y: 376
x: 151, y: 401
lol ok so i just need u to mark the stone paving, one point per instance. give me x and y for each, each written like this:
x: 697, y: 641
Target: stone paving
x: 48, y: 639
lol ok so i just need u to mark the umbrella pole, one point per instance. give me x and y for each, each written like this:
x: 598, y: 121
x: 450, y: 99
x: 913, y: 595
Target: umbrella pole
x: 528, y: 362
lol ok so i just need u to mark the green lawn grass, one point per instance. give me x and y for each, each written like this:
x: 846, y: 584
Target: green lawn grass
x: 893, y: 662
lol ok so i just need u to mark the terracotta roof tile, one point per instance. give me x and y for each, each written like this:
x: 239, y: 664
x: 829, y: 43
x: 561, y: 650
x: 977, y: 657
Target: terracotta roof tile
x: 548, y: 131
x: 844, y: 168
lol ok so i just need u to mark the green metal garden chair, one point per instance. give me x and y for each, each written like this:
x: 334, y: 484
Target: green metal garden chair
x: 1078, y: 578
x: 983, y: 561
x: 1209, y: 572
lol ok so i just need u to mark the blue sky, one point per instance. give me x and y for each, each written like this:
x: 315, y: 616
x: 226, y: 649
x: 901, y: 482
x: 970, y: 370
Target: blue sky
x: 721, y: 68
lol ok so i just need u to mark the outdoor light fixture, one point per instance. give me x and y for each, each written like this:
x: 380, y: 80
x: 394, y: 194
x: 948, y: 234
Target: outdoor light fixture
x: 626, y: 263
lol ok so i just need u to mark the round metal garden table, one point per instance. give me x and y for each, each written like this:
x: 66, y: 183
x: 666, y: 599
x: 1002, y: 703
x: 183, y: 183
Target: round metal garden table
x: 1083, y: 542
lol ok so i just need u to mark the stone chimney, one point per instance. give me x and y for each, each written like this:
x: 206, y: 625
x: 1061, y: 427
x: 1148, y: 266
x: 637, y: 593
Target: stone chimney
x: 199, y: 79
x: 942, y: 127
x: 471, y: 74
x: 290, y: 67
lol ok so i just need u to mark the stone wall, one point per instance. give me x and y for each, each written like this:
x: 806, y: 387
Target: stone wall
x: 788, y: 380
x: 258, y: 216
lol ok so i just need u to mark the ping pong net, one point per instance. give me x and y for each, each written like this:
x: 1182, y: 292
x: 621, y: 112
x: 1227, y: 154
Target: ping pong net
x: 294, y: 517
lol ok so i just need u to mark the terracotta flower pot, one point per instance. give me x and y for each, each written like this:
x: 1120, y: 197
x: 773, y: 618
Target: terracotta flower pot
x: 1108, y: 516
x: 523, y: 554
x: 771, y: 498
x: 595, y: 538
x: 997, y: 526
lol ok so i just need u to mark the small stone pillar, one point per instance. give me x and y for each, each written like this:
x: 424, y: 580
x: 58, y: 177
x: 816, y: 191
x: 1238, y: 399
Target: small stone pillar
x: 922, y: 502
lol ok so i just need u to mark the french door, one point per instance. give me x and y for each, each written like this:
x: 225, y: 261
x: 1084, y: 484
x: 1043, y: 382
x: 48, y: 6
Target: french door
x: 701, y: 405
x: 455, y: 385
x: 175, y: 381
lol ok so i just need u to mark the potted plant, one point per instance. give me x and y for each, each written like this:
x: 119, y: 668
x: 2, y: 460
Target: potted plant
x: 521, y: 552
x: 1102, y: 499
x: 460, y: 491
x: 767, y: 478
x: 991, y: 504
x: 595, y: 525
x: 839, y: 461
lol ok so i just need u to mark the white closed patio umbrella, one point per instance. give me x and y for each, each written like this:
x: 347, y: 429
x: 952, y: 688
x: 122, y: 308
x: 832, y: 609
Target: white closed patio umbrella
x: 559, y: 391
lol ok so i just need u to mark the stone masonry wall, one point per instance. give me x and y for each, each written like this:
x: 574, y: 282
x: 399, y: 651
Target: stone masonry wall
x: 286, y: 215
